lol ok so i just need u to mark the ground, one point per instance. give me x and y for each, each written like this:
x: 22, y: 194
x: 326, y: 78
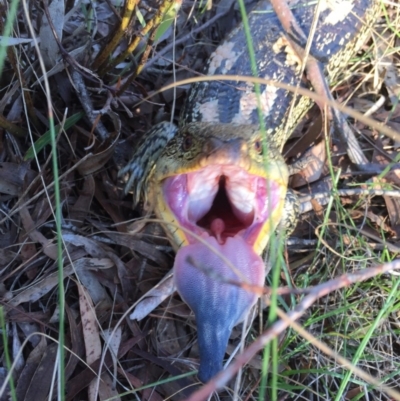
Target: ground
x: 112, y: 253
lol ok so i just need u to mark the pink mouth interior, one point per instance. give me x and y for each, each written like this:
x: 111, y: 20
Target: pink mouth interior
x: 221, y: 201
x: 227, y: 207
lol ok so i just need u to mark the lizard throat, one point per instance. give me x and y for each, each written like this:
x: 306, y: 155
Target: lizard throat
x: 221, y: 201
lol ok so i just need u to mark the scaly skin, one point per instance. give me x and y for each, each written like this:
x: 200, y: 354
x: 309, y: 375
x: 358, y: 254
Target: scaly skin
x: 224, y: 146
x: 210, y: 181
x: 200, y: 161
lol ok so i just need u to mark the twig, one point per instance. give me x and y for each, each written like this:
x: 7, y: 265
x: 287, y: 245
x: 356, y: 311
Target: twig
x: 11, y: 53
x: 70, y: 60
x: 102, y: 58
x: 323, y: 197
x: 12, y: 128
x: 278, y: 327
x: 87, y: 105
x: 17, y: 208
x: 184, y: 38
x: 316, y: 77
x: 387, y: 131
x: 152, y: 24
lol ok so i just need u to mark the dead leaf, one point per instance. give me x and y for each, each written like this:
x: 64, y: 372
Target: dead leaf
x: 18, y: 356
x: 12, y: 177
x: 147, y: 394
x: 144, y: 248
x: 170, y: 336
x: 91, y: 334
x: 6, y: 256
x: 107, y: 389
x: 48, y: 44
x: 393, y: 178
x: 386, y: 65
x: 40, y: 383
x: 43, y: 286
x: 9, y: 41
x: 80, y: 381
x: 92, y: 247
x: 112, y: 338
x: 49, y: 248
x: 30, y: 368
x: 80, y: 210
x: 28, y: 328
x: 97, y: 292
x: 96, y: 162
x: 149, y: 301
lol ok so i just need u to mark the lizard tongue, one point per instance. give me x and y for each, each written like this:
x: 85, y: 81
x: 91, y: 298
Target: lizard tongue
x: 201, y: 279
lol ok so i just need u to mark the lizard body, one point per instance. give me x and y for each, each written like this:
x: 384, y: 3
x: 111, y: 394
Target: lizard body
x: 213, y: 180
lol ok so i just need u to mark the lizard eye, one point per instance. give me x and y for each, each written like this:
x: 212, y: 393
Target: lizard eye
x: 258, y: 146
x: 187, y: 143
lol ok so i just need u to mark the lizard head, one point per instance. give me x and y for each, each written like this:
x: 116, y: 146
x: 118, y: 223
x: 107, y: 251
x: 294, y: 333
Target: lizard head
x: 224, y: 197
x: 215, y: 180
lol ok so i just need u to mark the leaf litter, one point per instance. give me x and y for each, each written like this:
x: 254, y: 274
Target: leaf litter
x: 108, y: 269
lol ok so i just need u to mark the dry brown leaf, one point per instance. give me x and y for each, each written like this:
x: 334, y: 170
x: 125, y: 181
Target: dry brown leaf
x: 351, y: 394
x: 28, y: 328
x: 124, y: 278
x: 18, y: 356
x: 28, y: 252
x: 76, y: 341
x: 387, y: 65
x: 43, y: 286
x: 392, y: 204
x: 49, y: 248
x: 91, y: 335
x: 40, y: 288
x: 42, y: 378
x: 381, y: 222
x: 147, y: 394
x: 81, y: 380
x: 107, y: 389
x: 7, y: 256
x: 92, y: 247
x: 30, y: 368
x: 97, y: 161
x: 306, y: 139
x: 393, y: 208
x: 12, y: 177
x: 112, y: 339
x: 144, y: 248
x: 80, y: 210
x: 136, y: 226
x: 149, y: 301
x: 171, y: 337
x: 97, y: 292
x: 48, y: 45
x: 105, y: 187
x: 9, y: 234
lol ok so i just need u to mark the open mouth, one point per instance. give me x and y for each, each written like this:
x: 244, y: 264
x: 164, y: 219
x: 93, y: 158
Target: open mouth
x: 221, y: 201
x: 228, y: 208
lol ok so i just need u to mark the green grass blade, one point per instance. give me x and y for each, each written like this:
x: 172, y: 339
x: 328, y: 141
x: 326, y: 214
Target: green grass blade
x: 12, y: 12
x: 6, y: 353
x: 45, y: 139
